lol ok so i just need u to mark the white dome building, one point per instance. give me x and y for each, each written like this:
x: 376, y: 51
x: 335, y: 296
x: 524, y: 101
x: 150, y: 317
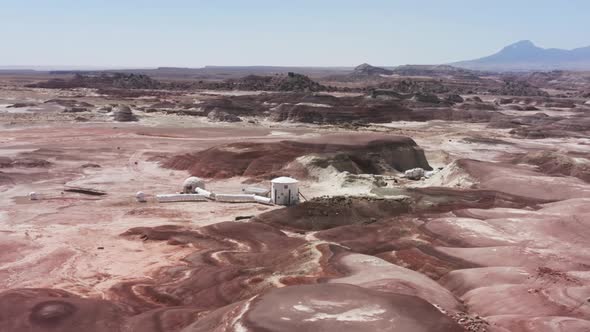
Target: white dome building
x: 191, y: 184
x: 284, y: 191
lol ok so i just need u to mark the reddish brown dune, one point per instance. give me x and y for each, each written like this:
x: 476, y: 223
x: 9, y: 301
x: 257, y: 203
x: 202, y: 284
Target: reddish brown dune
x: 331, y: 307
x: 509, y: 268
x: 233, y: 262
x: 414, y: 247
x: 328, y: 307
x: 55, y: 310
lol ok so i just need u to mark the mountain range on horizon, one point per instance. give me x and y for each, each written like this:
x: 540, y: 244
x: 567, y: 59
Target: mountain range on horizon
x: 523, y: 55
x: 526, y: 56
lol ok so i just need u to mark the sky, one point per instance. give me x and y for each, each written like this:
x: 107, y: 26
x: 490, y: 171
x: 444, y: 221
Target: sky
x: 184, y: 33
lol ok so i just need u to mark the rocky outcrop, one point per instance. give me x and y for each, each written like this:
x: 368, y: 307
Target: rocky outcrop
x: 76, y: 110
x: 517, y: 88
x: 541, y: 125
x: 367, y: 70
x: 22, y: 105
x: 375, y: 154
x: 560, y: 104
x: 435, y: 71
x: 369, y: 113
x: 298, y: 82
x: 293, y: 82
x: 123, y: 113
x: 382, y: 106
x: 414, y: 174
x: 556, y: 163
x: 385, y: 94
x: 426, y: 98
x: 454, y: 98
x: 69, y: 103
x: 477, y: 106
x: 221, y: 116
x: 325, y: 213
x: 102, y: 81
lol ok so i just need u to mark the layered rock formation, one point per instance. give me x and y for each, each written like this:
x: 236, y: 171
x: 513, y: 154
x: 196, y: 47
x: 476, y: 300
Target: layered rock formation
x: 366, y: 69
x: 102, y: 80
x: 218, y: 115
x: 377, y: 154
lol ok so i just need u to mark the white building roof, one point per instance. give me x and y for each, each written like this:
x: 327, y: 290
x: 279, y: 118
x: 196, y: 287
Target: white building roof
x: 284, y: 180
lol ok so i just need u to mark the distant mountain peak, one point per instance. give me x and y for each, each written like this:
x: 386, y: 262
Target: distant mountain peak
x: 368, y: 70
x: 525, y: 55
x: 522, y: 44
x: 363, y: 66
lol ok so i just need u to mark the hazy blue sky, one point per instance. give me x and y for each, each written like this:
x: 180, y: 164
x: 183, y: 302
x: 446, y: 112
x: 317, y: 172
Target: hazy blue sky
x: 276, y: 32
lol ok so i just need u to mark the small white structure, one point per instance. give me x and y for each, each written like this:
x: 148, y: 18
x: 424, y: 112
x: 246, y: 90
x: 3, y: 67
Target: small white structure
x: 205, y: 193
x: 33, y: 196
x: 191, y: 184
x: 180, y: 198
x: 284, y: 191
x: 140, y: 197
x: 414, y: 173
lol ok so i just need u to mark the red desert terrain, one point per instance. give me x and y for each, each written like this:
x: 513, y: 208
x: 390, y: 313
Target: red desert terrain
x: 492, y: 235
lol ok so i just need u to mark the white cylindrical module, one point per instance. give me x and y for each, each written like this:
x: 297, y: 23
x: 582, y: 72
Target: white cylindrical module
x: 284, y: 191
x: 256, y: 191
x: 180, y: 198
x: 140, y: 197
x: 262, y: 200
x: 231, y: 198
x: 33, y: 196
